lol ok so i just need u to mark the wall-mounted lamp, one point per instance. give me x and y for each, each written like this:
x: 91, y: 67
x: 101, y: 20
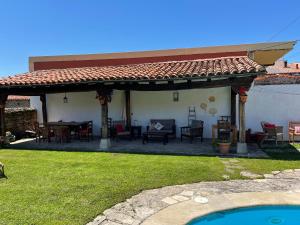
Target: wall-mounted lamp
x: 66, y: 98
x: 175, y: 96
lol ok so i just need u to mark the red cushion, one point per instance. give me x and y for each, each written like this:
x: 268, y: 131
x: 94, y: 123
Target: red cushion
x: 297, y: 129
x: 270, y: 125
x: 119, y: 128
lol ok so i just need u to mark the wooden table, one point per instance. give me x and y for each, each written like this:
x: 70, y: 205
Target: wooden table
x: 63, y: 125
x: 136, y: 131
x: 160, y: 136
x: 68, y: 124
x: 233, y: 133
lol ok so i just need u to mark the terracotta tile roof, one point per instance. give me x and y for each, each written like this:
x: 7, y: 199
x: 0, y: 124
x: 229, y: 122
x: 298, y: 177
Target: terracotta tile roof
x: 145, y: 71
x: 276, y: 69
x: 275, y: 79
x: 18, y: 98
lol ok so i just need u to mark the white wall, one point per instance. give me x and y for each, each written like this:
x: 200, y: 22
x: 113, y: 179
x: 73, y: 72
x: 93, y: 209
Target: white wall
x: 276, y: 104
x: 160, y: 105
x: 35, y: 103
x: 81, y: 106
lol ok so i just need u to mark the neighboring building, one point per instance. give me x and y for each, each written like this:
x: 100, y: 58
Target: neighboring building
x: 16, y: 101
x: 282, y: 66
x: 275, y: 97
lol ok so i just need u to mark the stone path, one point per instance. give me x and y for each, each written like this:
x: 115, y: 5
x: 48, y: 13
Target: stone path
x: 232, y: 167
x: 138, y: 208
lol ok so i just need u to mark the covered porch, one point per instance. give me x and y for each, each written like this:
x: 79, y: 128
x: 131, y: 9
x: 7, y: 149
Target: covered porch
x: 137, y: 74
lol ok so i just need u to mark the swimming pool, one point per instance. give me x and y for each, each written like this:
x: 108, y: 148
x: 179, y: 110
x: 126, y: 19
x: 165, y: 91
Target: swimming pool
x: 259, y: 215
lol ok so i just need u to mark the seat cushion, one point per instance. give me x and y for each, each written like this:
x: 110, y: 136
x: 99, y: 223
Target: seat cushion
x: 297, y: 129
x: 123, y: 133
x: 162, y: 131
x: 119, y: 128
x: 269, y: 125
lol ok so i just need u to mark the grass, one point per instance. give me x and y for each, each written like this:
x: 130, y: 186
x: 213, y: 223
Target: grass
x: 286, y: 156
x: 48, y: 187
x: 52, y: 187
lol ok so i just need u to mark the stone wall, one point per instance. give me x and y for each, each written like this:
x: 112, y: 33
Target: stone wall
x: 18, y: 120
x: 17, y: 104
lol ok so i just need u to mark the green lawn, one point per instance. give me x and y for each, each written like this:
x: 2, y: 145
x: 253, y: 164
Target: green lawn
x: 52, y: 187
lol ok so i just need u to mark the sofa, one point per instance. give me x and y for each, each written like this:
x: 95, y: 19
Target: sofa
x: 168, y: 125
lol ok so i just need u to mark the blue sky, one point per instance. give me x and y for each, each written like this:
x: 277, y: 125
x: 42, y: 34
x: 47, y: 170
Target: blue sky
x: 58, y: 27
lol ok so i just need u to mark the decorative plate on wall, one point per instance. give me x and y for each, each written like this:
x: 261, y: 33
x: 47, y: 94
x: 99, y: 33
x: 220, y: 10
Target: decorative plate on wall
x: 203, y: 106
x: 211, y: 98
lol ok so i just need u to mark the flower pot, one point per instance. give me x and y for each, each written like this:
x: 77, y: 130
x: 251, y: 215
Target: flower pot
x: 224, y: 147
x: 243, y: 98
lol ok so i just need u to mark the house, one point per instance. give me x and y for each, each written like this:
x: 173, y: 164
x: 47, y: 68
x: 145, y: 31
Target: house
x: 275, y: 97
x: 140, y: 86
x: 282, y: 66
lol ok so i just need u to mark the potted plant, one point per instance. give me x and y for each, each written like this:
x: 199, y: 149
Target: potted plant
x: 224, y: 146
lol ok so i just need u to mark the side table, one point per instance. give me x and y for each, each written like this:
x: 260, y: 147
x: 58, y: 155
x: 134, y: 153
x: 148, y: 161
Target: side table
x: 136, y: 131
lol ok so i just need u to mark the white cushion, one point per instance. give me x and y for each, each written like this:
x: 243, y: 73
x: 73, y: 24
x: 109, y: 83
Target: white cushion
x: 158, y: 126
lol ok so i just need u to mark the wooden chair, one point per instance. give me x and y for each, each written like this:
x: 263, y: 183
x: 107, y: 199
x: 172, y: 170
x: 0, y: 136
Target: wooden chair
x: 193, y: 131
x: 41, y: 132
x: 86, y: 131
x: 224, y: 129
x: 120, y: 130
x: 293, y: 131
x: 62, y: 134
x: 273, y: 133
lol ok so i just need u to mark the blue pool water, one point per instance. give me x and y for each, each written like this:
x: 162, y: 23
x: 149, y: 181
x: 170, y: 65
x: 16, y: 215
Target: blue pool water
x: 260, y: 215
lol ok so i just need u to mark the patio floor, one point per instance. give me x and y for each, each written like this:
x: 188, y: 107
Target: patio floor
x: 174, y: 147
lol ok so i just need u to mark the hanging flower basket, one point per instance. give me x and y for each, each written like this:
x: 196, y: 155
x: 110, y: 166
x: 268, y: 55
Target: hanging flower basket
x: 243, y: 98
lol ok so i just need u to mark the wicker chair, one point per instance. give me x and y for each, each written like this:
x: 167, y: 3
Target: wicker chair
x: 273, y: 133
x: 193, y: 131
x: 293, y: 131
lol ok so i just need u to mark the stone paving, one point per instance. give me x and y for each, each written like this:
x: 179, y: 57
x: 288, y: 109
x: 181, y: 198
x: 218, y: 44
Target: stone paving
x: 174, y: 147
x: 232, y: 167
x: 138, y: 208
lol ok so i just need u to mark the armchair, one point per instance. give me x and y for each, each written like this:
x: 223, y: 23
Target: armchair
x: 120, y: 130
x: 294, y: 130
x: 272, y: 132
x: 193, y: 131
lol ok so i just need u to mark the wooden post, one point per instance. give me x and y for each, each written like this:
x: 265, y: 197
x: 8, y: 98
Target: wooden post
x: 242, y: 134
x: 242, y: 146
x: 104, y: 97
x: 44, y: 108
x: 3, y: 99
x: 233, y: 107
x: 104, y: 118
x: 128, y: 108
